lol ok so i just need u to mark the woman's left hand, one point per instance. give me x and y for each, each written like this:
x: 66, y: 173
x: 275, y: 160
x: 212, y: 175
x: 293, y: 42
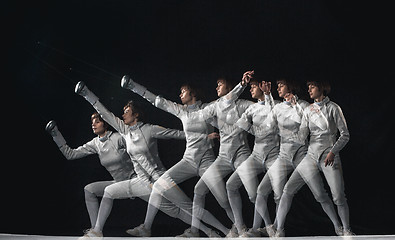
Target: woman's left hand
x: 330, y: 158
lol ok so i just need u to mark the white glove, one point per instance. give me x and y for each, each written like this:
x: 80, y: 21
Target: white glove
x: 128, y: 83
x: 82, y: 89
x: 52, y: 129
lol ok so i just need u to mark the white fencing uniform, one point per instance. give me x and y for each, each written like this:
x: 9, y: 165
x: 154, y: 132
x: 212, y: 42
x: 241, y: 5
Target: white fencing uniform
x: 141, y: 143
x: 265, y: 151
x: 287, y: 118
x: 198, y: 156
x: 233, y: 149
x: 111, y: 150
x: 323, y: 120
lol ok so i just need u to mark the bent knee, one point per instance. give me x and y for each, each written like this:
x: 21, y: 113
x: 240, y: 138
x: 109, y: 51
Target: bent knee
x: 289, y: 190
x: 109, y: 192
x: 88, y: 189
x: 232, y: 186
x: 159, y: 187
x: 201, y: 188
x: 340, y: 199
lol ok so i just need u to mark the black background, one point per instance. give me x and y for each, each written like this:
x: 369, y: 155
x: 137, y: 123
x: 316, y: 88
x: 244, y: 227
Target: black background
x: 161, y: 44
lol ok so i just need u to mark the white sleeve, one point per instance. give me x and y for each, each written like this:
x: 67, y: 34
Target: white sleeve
x: 342, y: 127
x: 80, y: 152
x: 245, y: 121
x: 235, y: 93
x: 111, y: 119
x: 303, y: 131
x: 166, y: 133
x: 168, y: 106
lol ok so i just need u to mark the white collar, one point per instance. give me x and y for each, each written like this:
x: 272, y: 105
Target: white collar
x: 194, y: 106
x: 324, y: 101
x: 105, y: 137
x: 135, y: 126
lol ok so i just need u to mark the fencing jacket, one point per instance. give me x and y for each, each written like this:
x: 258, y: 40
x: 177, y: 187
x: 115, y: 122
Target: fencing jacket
x: 323, y: 120
x: 253, y: 120
x: 141, y: 142
x: 227, y: 110
x: 197, y: 142
x: 288, y: 118
x: 111, y: 150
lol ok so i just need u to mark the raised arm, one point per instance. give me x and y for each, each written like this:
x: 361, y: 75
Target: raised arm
x: 107, y: 116
x: 157, y: 101
x: 235, y: 93
x: 128, y: 83
x: 166, y: 133
x: 266, y: 88
x: 239, y: 88
x: 69, y: 153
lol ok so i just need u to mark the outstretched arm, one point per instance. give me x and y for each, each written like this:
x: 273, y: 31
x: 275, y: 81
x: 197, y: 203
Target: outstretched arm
x: 57, y: 136
x: 157, y: 101
x: 107, y: 116
x: 69, y: 153
x: 166, y: 133
x: 128, y: 83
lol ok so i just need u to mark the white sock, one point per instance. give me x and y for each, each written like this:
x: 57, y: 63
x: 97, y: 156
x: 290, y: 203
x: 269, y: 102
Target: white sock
x: 329, y: 209
x: 236, y: 206
x: 104, y: 212
x: 344, y: 214
x: 155, y: 201
x: 92, y: 205
x: 257, y: 220
x: 261, y: 208
x: 283, y: 209
x: 199, y: 213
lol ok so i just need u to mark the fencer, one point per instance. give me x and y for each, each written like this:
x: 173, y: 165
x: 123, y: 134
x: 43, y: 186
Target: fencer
x: 141, y: 145
x: 322, y: 120
x: 233, y: 148
x: 111, y: 150
x: 286, y: 116
x: 265, y: 151
x: 198, y: 156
